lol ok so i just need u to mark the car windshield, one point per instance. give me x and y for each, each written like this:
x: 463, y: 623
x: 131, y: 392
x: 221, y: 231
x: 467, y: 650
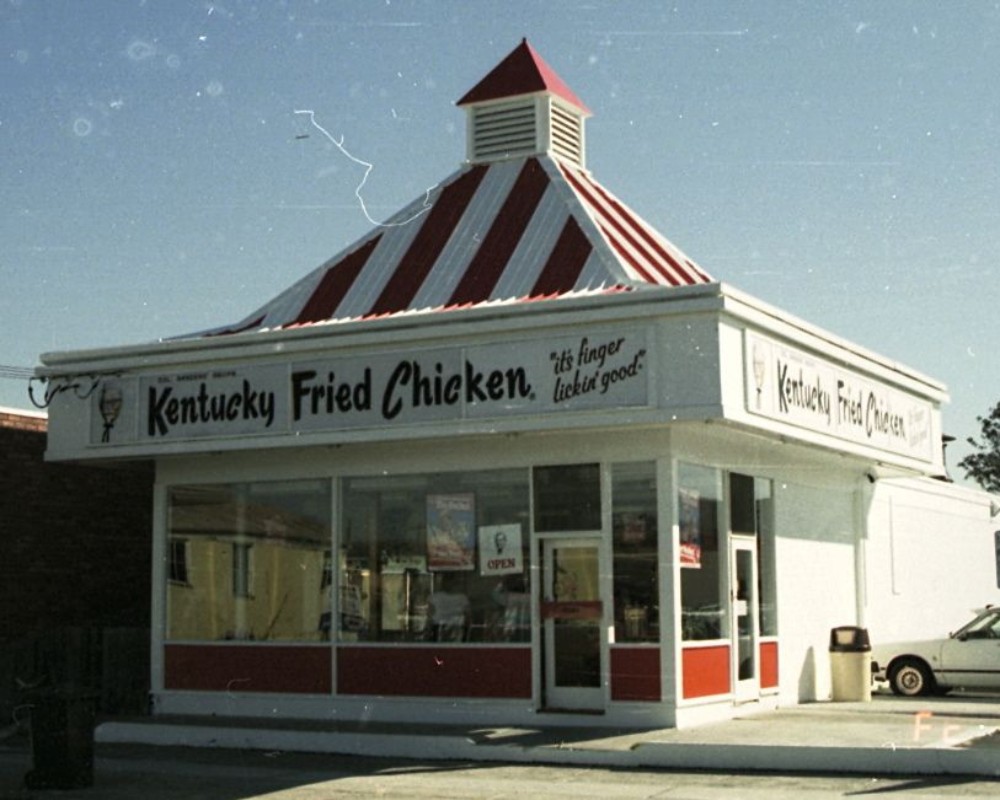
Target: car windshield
x: 985, y: 626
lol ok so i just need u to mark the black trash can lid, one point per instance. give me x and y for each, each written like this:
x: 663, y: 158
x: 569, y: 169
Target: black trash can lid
x: 849, y: 639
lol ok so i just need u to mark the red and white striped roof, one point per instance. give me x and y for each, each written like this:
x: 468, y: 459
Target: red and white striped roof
x: 506, y: 231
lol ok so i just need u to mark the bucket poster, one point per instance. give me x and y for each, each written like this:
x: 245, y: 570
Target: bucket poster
x: 690, y: 529
x: 451, y: 532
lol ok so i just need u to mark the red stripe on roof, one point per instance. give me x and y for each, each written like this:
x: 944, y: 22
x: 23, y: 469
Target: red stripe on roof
x: 609, y: 224
x: 437, y: 228
x: 683, y: 273
x: 631, y: 259
x: 647, y: 238
x: 503, y: 237
x: 698, y: 270
x: 337, y: 281
x: 565, y: 262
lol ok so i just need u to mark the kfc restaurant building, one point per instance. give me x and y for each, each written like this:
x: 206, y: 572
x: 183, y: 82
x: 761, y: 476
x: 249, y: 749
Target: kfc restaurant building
x: 511, y: 456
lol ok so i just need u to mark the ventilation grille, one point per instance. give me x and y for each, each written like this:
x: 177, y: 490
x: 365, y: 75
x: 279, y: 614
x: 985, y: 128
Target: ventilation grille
x: 504, y: 130
x: 567, y: 134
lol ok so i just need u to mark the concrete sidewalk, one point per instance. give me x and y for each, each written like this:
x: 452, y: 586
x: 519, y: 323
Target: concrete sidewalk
x: 889, y: 736
x: 954, y: 735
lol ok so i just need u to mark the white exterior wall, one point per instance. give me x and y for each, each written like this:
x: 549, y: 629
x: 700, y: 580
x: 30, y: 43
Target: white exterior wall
x: 815, y: 557
x: 929, y: 558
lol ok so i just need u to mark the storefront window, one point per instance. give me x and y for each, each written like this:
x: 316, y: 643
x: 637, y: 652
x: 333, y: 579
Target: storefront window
x: 742, y: 509
x: 246, y: 561
x: 436, y: 558
x: 704, y: 610
x: 637, y: 611
x: 767, y: 567
x: 567, y: 498
x: 751, y: 514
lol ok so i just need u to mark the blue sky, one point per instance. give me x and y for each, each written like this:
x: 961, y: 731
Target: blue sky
x: 839, y: 160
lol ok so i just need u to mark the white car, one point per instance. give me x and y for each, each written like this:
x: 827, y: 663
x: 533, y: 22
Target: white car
x: 969, y: 658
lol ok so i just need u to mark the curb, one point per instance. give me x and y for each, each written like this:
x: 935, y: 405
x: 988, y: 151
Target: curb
x: 687, y: 756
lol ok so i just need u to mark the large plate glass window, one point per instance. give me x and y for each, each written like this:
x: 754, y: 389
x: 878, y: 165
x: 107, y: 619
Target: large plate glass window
x: 704, y: 601
x: 766, y: 558
x: 634, y: 530
x: 436, y: 557
x: 246, y: 560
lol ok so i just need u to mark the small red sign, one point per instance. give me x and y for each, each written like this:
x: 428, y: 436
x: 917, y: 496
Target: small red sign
x: 578, y: 609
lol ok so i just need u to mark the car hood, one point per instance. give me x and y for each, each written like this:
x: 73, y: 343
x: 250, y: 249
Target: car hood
x: 919, y: 647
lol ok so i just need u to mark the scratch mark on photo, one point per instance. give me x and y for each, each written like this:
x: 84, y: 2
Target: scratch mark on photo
x: 364, y: 178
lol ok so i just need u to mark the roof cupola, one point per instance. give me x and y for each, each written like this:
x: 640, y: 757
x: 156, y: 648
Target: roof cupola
x: 522, y: 108
x: 521, y: 221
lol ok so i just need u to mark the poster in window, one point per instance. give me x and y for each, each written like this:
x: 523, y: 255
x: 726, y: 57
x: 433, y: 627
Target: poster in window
x: 630, y: 528
x: 451, y: 532
x: 500, y: 550
x: 690, y: 528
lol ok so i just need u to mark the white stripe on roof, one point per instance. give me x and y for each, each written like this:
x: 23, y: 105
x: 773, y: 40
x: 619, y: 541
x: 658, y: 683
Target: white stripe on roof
x: 624, y: 249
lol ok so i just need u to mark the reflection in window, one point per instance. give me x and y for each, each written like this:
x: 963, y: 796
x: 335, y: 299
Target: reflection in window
x: 704, y: 610
x: 177, y: 568
x: 985, y: 626
x: 252, y: 565
x: 242, y: 578
x: 766, y: 559
x: 633, y: 492
x: 435, y: 558
x: 567, y: 498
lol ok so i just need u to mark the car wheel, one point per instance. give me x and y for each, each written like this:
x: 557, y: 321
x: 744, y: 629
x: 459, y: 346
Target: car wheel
x: 911, y: 678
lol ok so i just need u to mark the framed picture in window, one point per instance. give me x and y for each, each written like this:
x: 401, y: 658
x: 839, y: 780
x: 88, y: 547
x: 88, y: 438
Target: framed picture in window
x: 451, y: 532
x: 690, y: 528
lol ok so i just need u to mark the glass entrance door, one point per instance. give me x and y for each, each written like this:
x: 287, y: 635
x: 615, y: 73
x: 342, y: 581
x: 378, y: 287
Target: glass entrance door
x: 745, y: 616
x: 572, y: 618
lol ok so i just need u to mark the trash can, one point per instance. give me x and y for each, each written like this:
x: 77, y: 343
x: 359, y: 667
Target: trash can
x: 851, y: 664
x: 62, y: 739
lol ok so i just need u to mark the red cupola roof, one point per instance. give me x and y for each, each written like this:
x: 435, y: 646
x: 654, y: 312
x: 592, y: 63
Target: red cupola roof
x: 522, y: 72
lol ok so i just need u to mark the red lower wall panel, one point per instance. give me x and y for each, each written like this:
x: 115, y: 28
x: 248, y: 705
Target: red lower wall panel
x: 247, y: 668
x: 435, y: 671
x: 705, y: 671
x: 635, y: 673
x: 768, y: 665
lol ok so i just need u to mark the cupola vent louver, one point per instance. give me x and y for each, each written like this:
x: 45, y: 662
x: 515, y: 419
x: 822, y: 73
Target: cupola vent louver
x: 567, y: 134
x: 503, y: 130
x: 525, y: 126
x: 523, y: 108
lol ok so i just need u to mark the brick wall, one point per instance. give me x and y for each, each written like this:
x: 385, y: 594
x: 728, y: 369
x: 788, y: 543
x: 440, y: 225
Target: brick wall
x: 75, y: 540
